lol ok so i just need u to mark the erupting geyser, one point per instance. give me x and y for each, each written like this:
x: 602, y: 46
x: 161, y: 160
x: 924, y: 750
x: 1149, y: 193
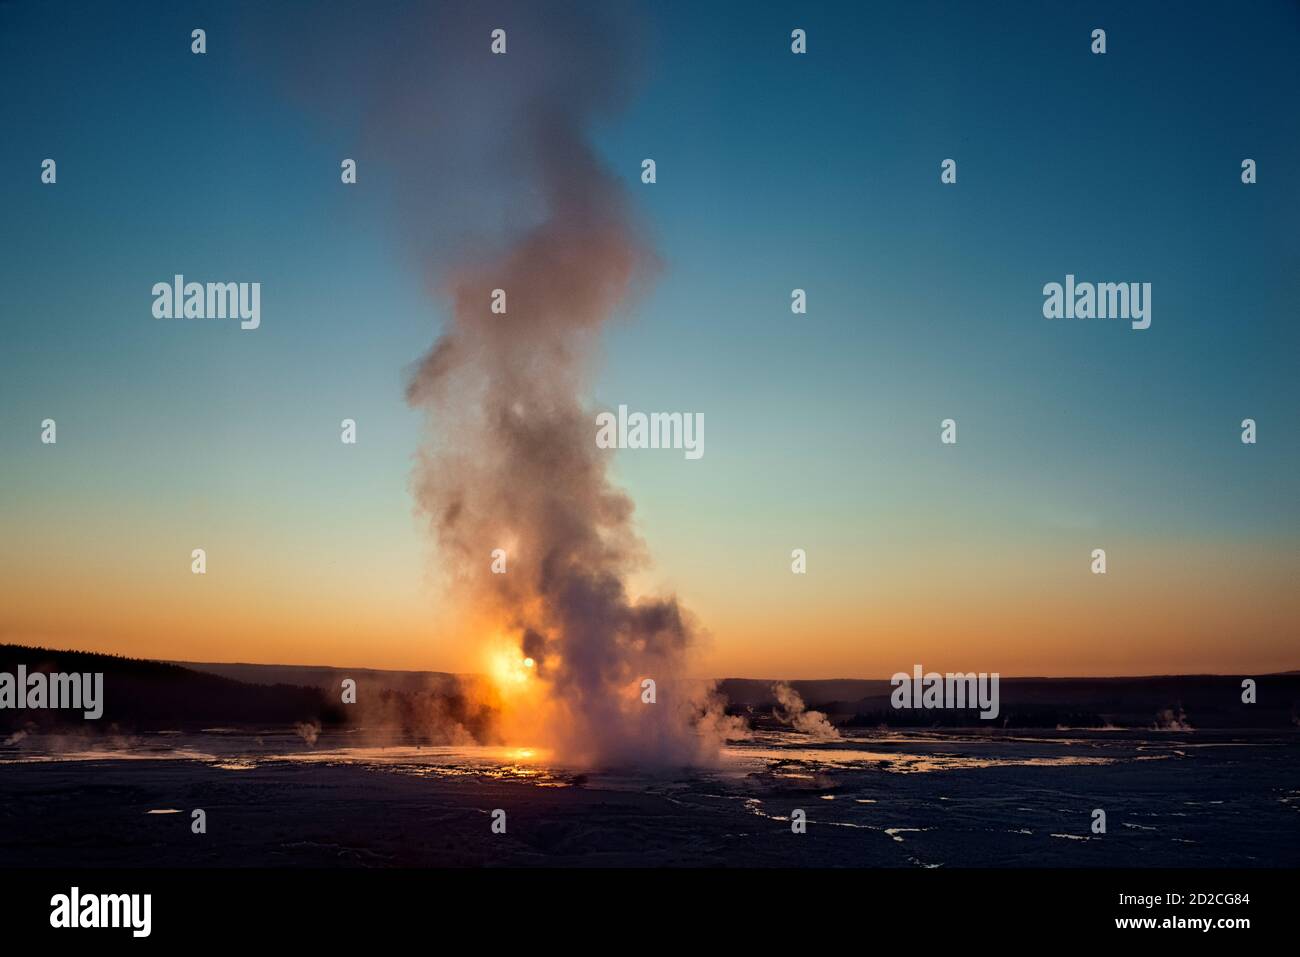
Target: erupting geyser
x: 512, y: 463
x: 506, y: 208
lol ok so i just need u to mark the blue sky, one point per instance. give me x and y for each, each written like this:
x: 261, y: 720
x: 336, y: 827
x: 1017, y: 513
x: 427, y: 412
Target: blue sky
x: 775, y: 171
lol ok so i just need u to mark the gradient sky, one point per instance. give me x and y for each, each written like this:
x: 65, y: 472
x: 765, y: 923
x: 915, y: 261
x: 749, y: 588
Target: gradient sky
x: 774, y: 171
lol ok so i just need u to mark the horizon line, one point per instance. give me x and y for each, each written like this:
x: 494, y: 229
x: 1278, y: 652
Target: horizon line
x: 476, y: 674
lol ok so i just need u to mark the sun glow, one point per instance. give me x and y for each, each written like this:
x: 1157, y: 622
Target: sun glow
x: 519, y: 696
x: 509, y: 671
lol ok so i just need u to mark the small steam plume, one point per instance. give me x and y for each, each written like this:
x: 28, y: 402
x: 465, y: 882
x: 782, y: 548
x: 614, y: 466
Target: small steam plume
x: 1172, y: 719
x: 309, y: 731
x: 790, y: 710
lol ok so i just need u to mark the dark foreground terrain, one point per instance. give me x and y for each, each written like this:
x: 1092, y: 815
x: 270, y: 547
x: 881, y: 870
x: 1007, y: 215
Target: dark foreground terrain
x: 872, y: 799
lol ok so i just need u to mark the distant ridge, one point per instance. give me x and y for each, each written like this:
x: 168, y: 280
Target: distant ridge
x: 143, y: 693
x: 329, y: 677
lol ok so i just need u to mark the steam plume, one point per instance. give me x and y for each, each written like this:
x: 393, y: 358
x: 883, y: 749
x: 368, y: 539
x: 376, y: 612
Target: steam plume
x: 791, y: 710
x: 491, y: 160
x: 309, y: 731
x: 512, y: 461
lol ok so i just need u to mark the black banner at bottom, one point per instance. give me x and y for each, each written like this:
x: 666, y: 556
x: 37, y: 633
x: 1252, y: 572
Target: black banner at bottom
x: 204, y: 907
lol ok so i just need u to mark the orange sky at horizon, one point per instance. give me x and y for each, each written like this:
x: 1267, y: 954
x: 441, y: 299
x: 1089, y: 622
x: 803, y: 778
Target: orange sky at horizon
x: 1157, y: 611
